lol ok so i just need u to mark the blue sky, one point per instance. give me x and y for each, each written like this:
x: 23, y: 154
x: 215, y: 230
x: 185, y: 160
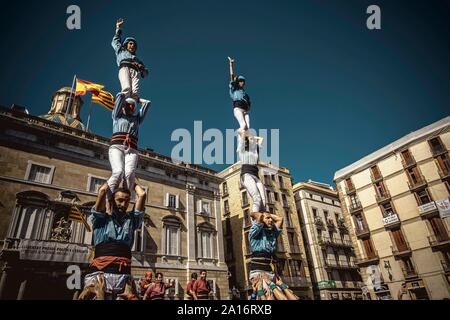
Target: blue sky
x: 336, y: 90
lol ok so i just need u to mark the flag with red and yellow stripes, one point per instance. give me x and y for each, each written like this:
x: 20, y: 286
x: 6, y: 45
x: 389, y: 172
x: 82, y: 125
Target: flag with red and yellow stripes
x: 76, y: 215
x: 103, y: 98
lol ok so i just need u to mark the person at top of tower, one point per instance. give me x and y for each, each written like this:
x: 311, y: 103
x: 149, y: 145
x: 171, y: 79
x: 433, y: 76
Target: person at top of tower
x: 131, y: 69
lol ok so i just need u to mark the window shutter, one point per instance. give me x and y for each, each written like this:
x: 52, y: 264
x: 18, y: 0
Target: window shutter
x: 166, y: 200
x: 177, y: 201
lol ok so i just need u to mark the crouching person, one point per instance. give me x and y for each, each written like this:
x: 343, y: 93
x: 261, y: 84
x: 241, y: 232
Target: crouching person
x: 113, y: 239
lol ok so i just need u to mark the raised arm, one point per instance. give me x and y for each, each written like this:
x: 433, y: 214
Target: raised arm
x: 117, y: 40
x: 144, y: 109
x: 141, y: 196
x: 231, y: 60
x: 100, y: 203
x: 120, y: 97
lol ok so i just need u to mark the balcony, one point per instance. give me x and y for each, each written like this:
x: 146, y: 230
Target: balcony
x: 336, y: 242
x: 354, y: 208
x: 419, y: 183
x: 383, y: 197
x: 438, y: 150
x: 350, y: 189
x: 439, y: 242
x: 341, y: 224
x: 409, y: 273
x: 297, y: 282
x: 391, y: 221
x: 428, y: 210
x: 444, y: 173
x: 319, y: 223
x: 401, y: 251
x: 409, y: 162
x: 286, y: 204
x: 369, y: 260
x: 330, y: 224
x: 334, y: 264
x: 446, y: 266
x: 363, y: 232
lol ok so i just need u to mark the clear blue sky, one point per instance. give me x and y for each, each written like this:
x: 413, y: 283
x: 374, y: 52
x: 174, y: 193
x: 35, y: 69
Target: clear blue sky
x: 336, y: 90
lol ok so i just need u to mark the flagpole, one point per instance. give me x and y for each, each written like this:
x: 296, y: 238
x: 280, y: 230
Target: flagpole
x: 70, y: 99
x: 89, y: 116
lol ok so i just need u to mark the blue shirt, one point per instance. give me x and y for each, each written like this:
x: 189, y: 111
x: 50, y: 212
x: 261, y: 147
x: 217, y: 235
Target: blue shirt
x: 263, y: 240
x: 121, y: 52
x: 124, y: 123
x: 106, y: 228
x: 237, y: 93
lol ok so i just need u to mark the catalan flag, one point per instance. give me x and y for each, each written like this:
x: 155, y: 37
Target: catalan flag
x: 84, y: 86
x: 76, y: 215
x: 103, y: 98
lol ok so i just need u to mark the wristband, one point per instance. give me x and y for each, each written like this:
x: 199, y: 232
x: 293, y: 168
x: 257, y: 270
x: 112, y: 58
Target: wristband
x: 260, y: 293
x: 272, y: 286
x: 283, y: 286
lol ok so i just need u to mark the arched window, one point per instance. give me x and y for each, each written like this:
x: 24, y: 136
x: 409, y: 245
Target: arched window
x: 171, y: 237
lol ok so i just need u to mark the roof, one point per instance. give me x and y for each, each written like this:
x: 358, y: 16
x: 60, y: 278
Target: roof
x: 395, y: 146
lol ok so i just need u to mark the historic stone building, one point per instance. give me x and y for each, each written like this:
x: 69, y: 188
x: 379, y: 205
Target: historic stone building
x: 236, y: 206
x: 329, y: 250
x: 50, y: 163
x: 396, y: 201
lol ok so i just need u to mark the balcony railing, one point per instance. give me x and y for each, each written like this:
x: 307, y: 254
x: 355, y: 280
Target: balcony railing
x: 376, y: 178
x: 324, y: 240
x: 439, y: 240
x: 408, y: 162
x: 444, y: 173
x: 330, y: 224
x: 335, y: 264
x: 409, y: 273
x: 445, y: 266
x: 382, y: 197
x: 428, y: 209
x: 285, y: 204
x: 368, y: 260
x: 353, y: 208
x: 319, y: 223
x: 297, y: 282
x: 362, y: 232
x: 401, y: 251
x: 438, y: 150
x: 341, y: 223
x: 421, y: 182
x: 350, y: 189
x: 391, y: 220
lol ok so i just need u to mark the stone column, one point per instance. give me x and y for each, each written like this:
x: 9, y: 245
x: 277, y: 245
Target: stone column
x: 3, y: 281
x: 190, y: 220
x: 219, y: 234
x: 22, y: 288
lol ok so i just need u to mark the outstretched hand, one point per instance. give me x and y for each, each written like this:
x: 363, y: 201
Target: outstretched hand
x: 231, y: 60
x: 119, y: 23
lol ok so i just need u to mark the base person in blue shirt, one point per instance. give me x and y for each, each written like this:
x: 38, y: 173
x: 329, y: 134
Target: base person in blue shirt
x: 113, y: 238
x: 263, y: 237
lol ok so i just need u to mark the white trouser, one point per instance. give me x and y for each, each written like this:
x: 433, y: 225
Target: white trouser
x: 129, y: 81
x: 115, y: 283
x: 123, y: 162
x: 242, y: 117
x: 256, y: 190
